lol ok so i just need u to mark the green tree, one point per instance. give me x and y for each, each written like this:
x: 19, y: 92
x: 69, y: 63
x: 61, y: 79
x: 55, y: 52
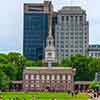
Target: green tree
x: 86, y: 67
x: 10, y: 70
x: 3, y: 58
x: 16, y: 58
x: 4, y: 81
x: 94, y: 85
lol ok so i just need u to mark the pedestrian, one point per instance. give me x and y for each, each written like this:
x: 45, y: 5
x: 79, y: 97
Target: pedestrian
x: 1, y: 98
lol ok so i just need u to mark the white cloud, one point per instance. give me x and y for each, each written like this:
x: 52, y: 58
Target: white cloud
x: 11, y: 20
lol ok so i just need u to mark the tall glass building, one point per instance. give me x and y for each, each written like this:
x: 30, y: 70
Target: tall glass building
x: 35, y: 29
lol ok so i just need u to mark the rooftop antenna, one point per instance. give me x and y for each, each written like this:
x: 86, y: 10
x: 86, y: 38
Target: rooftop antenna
x: 71, y: 2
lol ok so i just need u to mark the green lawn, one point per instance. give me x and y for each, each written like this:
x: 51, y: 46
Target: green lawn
x: 42, y: 96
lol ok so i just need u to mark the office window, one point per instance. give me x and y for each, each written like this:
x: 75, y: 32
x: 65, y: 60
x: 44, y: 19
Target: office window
x: 67, y: 37
x: 62, y: 37
x: 62, y: 33
x: 62, y: 41
x: 81, y: 18
x: 67, y: 33
x: 72, y: 18
x: 72, y: 50
x: 76, y: 19
x: 66, y: 47
x: 62, y: 18
x: 76, y: 51
x: 62, y: 46
x: 58, y: 46
x: 67, y: 18
x: 71, y: 37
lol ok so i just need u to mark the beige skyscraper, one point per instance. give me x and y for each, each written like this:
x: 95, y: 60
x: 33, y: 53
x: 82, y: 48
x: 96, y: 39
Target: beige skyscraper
x: 71, y: 32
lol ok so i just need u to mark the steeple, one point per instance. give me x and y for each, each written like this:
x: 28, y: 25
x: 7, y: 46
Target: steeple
x: 50, y: 54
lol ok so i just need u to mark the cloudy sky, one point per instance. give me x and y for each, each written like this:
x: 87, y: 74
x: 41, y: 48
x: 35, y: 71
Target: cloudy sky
x: 11, y: 21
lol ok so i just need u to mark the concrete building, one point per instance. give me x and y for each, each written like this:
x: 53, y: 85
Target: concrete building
x: 48, y: 79
x: 94, y: 51
x: 71, y: 32
x: 35, y: 29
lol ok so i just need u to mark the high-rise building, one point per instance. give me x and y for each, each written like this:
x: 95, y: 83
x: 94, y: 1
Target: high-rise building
x: 71, y: 32
x: 35, y: 29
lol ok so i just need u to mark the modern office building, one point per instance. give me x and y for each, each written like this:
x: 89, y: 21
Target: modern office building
x: 71, y: 32
x: 35, y: 29
x: 94, y: 51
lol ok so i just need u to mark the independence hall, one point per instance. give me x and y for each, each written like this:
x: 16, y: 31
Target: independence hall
x: 48, y: 79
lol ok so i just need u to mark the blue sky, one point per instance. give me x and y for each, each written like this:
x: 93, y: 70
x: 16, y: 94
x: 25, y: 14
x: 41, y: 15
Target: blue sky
x: 11, y: 21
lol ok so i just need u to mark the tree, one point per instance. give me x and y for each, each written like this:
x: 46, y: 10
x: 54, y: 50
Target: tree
x: 94, y: 85
x: 86, y: 67
x: 3, y: 59
x: 10, y: 70
x: 16, y: 58
x: 4, y: 81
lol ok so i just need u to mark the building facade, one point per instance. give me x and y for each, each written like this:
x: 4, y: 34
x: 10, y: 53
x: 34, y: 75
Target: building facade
x: 35, y: 29
x: 94, y: 51
x: 48, y: 79
x: 71, y: 32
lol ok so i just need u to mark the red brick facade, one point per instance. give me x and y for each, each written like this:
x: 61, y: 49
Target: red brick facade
x: 48, y: 79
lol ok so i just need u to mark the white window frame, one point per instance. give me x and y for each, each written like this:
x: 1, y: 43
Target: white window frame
x: 26, y: 76
x: 52, y: 77
x: 69, y: 77
x: 32, y: 77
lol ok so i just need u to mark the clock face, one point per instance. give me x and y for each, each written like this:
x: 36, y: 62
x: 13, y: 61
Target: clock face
x: 49, y: 54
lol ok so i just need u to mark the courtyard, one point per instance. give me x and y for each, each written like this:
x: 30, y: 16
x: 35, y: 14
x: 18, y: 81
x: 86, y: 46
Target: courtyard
x: 43, y: 96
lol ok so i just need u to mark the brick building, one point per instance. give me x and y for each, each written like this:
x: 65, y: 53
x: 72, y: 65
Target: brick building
x: 48, y: 79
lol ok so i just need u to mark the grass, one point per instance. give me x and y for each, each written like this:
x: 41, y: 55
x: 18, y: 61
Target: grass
x: 43, y: 96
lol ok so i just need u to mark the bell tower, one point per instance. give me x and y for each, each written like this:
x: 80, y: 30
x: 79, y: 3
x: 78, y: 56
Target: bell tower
x: 50, y: 51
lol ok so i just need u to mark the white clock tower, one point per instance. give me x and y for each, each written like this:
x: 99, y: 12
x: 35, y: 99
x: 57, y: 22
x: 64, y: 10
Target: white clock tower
x: 50, y: 51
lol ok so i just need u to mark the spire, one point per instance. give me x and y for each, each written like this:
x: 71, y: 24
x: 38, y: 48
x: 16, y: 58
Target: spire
x: 50, y: 18
x: 50, y: 41
x: 50, y: 55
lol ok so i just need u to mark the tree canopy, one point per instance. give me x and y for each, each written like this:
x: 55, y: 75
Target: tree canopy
x: 86, y: 66
x: 13, y: 63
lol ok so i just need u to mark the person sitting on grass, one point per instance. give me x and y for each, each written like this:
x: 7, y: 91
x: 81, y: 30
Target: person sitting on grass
x: 1, y: 98
x: 33, y: 98
x: 76, y: 92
